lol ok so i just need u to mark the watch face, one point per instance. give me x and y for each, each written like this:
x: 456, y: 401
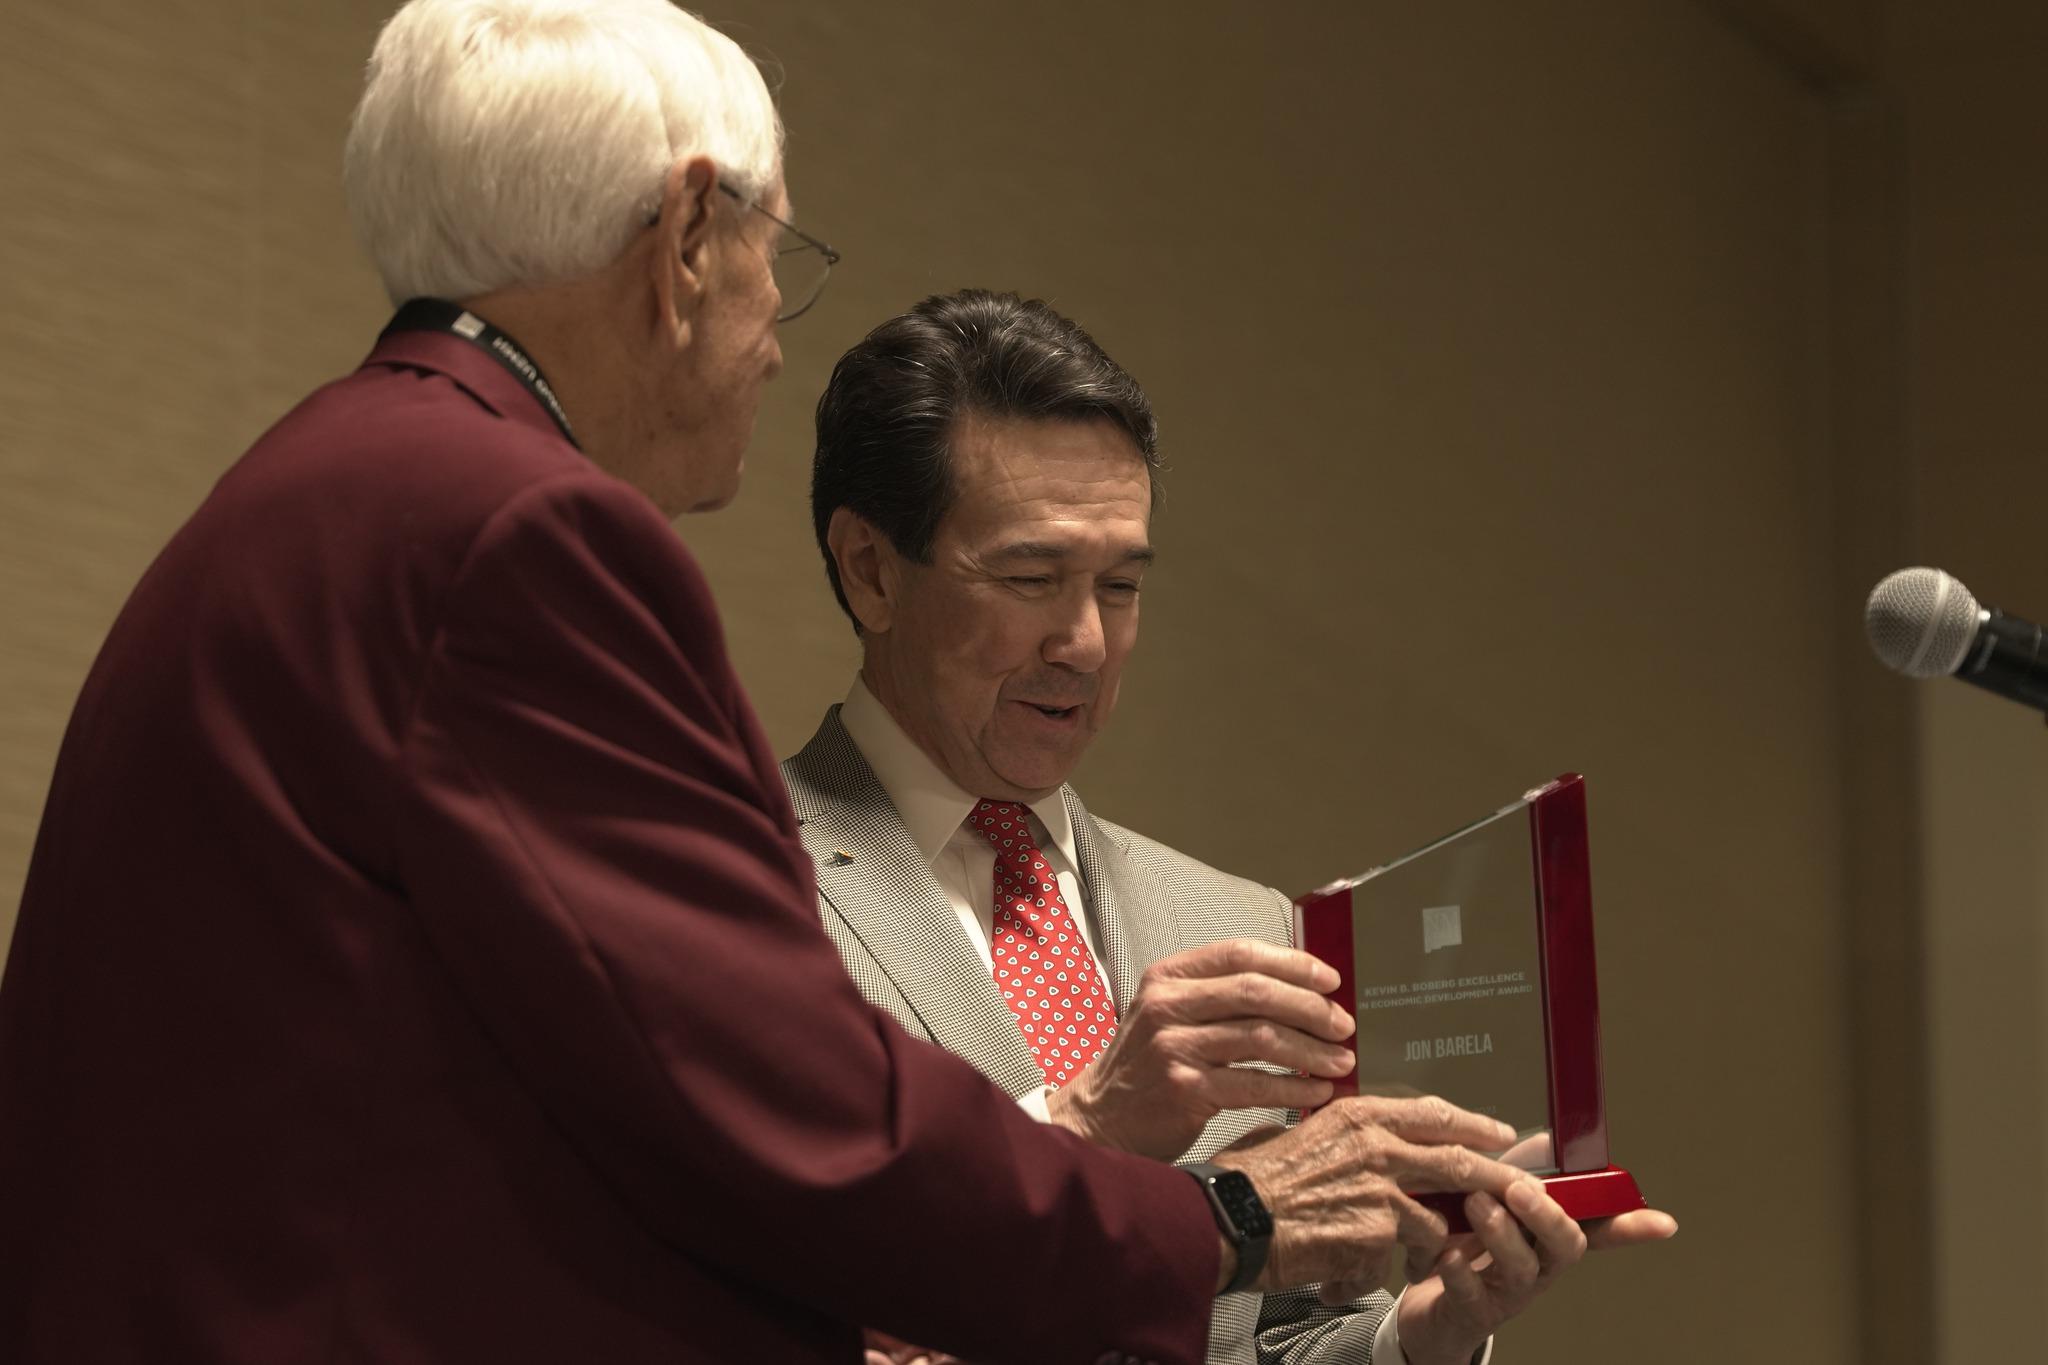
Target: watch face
x: 1234, y: 1191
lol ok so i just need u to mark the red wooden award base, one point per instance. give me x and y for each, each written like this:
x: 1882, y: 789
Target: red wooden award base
x: 1584, y: 1195
x: 1595, y: 1194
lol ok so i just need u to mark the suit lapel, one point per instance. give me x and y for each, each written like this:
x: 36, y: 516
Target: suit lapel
x: 872, y: 876
x: 1133, y: 915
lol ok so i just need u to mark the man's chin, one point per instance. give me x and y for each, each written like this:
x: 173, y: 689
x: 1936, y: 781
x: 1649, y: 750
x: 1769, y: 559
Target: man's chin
x: 1032, y: 757
x: 1023, y: 796
x: 719, y: 498
x: 1029, y: 782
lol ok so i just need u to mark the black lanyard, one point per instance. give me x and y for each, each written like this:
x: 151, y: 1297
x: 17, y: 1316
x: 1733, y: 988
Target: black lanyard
x: 439, y: 315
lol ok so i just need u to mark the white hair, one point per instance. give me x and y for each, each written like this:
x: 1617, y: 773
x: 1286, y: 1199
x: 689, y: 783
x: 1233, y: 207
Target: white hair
x: 503, y: 142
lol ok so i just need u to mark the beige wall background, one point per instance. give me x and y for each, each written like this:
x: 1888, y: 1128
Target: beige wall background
x: 1543, y: 387
x: 1972, y: 80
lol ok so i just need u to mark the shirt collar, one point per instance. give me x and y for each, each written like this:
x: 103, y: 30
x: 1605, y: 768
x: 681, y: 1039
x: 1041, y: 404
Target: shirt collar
x: 932, y: 805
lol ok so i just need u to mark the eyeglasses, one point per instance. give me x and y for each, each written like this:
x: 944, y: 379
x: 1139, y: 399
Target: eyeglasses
x: 801, y: 262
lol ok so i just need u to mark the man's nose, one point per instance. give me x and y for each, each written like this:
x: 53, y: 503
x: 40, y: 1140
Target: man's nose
x: 1078, y: 642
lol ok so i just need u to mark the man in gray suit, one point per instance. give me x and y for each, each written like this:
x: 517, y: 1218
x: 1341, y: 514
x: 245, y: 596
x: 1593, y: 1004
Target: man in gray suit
x: 982, y: 494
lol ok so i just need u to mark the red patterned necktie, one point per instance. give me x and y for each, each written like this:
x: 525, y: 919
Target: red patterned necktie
x: 1042, y: 964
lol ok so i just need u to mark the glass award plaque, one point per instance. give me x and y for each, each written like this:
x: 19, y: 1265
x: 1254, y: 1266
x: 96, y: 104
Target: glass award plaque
x: 1468, y: 966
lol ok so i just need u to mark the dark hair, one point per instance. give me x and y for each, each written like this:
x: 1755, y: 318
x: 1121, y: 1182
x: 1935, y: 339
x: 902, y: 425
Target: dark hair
x: 888, y: 415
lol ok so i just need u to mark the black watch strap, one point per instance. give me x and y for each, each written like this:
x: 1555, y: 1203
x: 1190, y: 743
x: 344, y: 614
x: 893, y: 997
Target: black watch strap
x: 1240, y: 1216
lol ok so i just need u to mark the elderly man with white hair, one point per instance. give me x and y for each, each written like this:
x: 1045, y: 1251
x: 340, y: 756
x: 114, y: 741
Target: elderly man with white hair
x: 418, y: 962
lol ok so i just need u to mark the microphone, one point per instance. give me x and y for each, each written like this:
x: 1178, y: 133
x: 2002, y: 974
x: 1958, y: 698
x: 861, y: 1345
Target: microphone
x: 1925, y: 624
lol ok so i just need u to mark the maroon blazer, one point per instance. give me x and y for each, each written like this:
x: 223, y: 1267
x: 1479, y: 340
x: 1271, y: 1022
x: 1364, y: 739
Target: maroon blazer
x: 419, y: 964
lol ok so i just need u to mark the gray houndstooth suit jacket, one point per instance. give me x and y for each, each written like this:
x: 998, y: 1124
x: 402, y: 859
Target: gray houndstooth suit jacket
x: 903, y: 946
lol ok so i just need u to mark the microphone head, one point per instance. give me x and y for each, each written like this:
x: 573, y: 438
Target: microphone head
x: 1921, y: 622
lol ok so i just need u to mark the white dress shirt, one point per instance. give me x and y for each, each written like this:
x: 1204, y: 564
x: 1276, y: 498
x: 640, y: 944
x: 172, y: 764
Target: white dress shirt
x: 935, y: 811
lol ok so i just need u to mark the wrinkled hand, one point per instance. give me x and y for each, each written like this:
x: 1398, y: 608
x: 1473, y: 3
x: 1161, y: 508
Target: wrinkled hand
x: 1515, y: 1252
x: 883, y: 1349
x: 1168, y: 1070
x: 1339, y: 1186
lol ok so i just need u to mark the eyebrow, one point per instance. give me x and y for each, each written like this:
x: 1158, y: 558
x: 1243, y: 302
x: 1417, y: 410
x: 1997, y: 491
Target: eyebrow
x: 1038, y: 549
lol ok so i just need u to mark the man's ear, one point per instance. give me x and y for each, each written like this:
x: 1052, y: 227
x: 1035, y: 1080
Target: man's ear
x: 870, y: 570
x: 689, y: 205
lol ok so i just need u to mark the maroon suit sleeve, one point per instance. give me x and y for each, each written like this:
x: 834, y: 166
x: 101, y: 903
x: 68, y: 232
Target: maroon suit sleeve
x: 594, y: 855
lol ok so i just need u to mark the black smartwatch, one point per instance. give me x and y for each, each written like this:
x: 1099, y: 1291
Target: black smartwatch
x: 1240, y: 1216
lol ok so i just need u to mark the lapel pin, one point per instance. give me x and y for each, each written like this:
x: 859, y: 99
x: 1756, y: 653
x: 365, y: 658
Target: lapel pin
x: 840, y: 858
